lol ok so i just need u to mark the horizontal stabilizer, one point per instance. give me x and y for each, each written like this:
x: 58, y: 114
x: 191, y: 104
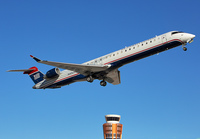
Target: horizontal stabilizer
x: 26, y: 71
x: 33, y: 72
x: 21, y: 70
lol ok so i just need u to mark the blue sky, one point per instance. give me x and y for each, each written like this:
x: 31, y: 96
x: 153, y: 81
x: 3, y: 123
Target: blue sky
x: 158, y: 97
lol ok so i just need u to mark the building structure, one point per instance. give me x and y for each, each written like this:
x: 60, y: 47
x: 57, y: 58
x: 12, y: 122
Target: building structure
x: 112, y: 129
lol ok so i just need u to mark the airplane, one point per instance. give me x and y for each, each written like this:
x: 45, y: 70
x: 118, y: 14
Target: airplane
x: 104, y: 68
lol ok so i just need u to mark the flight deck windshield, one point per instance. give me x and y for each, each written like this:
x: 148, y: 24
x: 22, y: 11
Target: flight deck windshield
x: 175, y: 32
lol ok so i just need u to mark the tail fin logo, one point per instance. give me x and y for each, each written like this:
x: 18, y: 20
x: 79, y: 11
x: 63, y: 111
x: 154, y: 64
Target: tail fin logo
x: 36, y: 76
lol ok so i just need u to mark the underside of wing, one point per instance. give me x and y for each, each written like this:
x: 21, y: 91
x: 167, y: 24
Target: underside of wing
x: 83, y: 69
x: 80, y: 68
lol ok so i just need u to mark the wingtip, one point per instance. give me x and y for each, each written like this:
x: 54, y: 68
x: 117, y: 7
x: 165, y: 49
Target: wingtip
x: 35, y: 58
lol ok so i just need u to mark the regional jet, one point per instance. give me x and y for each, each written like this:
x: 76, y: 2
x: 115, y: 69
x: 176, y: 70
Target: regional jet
x: 104, y: 68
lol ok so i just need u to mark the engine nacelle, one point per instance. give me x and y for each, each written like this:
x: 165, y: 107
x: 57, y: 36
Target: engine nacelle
x: 52, y: 73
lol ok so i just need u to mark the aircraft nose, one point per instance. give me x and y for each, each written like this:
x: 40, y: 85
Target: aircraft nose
x: 192, y: 36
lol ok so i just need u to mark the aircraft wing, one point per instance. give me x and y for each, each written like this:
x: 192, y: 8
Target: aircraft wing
x: 113, y: 77
x: 82, y: 69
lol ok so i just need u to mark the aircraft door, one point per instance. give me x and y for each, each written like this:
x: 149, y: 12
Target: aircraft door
x: 164, y: 38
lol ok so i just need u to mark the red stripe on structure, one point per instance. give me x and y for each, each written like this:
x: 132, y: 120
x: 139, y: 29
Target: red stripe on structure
x: 142, y: 51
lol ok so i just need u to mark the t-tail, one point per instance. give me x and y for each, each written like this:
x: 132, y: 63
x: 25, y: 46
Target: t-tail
x: 33, y: 72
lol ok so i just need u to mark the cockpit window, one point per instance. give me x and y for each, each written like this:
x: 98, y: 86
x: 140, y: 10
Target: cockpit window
x: 175, y: 32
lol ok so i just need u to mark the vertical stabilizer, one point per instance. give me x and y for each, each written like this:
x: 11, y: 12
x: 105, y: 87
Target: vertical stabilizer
x: 35, y: 74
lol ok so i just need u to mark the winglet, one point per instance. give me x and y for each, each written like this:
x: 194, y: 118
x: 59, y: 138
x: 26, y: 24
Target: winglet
x: 35, y: 58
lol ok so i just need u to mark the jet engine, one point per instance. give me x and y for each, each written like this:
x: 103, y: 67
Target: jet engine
x: 52, y: 73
